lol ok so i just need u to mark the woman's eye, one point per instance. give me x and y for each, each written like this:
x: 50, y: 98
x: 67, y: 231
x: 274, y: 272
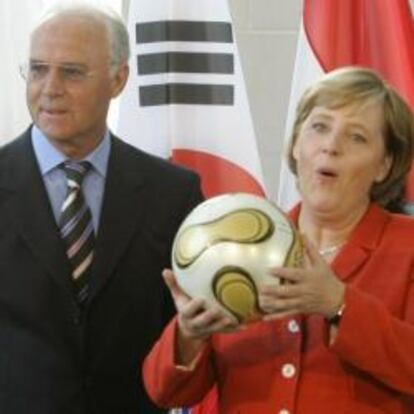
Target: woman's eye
x: 358, y: 138
x: 319, y: 126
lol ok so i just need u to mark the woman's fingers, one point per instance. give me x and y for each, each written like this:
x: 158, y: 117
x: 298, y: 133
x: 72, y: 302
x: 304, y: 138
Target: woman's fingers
x: 283, y: 290
x: 277, y: 304
x: 212, y: 320
x: 179, y: 296
x: 287, y: 274
x: 195, y: 317
x: 312, y: 255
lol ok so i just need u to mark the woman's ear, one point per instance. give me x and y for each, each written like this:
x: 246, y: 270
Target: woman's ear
x: 384, y: 168
x: 295, y: 150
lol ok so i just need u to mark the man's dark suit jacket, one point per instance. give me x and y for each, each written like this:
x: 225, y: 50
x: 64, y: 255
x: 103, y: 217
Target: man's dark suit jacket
x: 54, y: 358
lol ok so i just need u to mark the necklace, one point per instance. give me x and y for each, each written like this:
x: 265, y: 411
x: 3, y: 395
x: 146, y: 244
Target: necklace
x: 327, y: 251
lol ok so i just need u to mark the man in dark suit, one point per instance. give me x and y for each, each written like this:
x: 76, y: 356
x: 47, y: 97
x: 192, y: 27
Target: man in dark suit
x: 80, y: 309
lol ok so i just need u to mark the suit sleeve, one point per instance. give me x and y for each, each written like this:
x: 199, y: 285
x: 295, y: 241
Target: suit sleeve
x: 375, y: 341
x: 191, y: 198
x: 169, y: 385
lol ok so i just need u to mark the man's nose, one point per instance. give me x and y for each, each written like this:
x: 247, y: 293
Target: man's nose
x: 53, y: 83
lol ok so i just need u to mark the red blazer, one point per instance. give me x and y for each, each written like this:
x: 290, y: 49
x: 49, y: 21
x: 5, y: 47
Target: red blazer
x: 288, y: 366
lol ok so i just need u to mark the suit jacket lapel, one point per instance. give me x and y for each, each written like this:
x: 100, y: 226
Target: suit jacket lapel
x: 30, y: 210
x: 121, y: 212
x: 361, y: 242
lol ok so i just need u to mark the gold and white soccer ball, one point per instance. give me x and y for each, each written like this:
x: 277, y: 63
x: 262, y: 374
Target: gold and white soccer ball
x: 224, y: 248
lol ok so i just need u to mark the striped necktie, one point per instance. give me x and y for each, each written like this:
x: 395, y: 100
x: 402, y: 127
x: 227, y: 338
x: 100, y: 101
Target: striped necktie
x: 76, y: 227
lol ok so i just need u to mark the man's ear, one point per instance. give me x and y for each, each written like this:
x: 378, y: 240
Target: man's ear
x: 119, y: 80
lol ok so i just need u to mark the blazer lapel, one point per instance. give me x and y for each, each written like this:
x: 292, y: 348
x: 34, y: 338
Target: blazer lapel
x: 349, y: 260
x: 361, y: 242
x: 30, y: 210
x: 121, y: 213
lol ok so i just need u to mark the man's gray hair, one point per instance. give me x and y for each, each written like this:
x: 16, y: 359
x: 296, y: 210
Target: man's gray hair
x: 117, y: 32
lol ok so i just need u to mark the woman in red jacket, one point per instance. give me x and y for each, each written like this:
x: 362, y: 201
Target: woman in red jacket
x: 340, y: 337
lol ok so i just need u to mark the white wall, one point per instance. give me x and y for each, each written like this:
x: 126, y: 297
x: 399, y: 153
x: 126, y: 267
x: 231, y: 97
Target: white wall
x: 17, y: 17
x: 266, y: 31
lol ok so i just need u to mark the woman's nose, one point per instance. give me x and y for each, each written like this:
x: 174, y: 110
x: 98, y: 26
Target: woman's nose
x: 332, y: 143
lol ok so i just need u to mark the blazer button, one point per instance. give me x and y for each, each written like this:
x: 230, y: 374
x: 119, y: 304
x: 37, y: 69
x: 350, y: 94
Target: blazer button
x: 288, y: 371
x: 293, y: 326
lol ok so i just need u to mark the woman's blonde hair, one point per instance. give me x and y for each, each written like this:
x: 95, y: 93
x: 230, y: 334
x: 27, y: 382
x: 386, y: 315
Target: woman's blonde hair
x: 358, y: 86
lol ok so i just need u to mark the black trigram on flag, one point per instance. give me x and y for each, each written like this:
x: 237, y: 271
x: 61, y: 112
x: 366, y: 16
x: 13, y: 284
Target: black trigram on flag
x: 186, y: 98
x: 185, y: 62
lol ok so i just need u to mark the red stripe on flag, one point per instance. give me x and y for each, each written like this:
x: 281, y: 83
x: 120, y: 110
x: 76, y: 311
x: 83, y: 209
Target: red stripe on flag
x: 218, y: 175
x: 373, y: 33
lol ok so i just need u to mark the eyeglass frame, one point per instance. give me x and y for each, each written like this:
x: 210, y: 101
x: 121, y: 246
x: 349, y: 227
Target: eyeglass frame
x: 73, y: 73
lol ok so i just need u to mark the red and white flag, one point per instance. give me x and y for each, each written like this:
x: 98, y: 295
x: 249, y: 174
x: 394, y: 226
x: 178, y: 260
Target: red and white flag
x: 186, y: 98
x: 377, y: 34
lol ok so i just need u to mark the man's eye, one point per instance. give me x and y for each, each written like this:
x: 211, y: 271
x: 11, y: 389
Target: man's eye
x: 73, y: 73
x: 38, y: 70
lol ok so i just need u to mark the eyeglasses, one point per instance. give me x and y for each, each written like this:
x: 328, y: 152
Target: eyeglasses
x: 70, y: 73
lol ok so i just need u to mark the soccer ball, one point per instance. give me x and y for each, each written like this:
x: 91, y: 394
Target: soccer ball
x: 224, y: 248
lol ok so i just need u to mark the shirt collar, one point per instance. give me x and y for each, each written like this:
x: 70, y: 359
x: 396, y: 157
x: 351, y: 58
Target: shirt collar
x: 49, y: 157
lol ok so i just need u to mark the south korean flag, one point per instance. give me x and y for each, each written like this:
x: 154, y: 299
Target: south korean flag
x: 186, y: 98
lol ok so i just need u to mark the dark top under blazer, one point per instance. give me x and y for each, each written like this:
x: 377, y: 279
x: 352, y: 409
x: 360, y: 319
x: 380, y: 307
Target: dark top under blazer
x: 55, y: 359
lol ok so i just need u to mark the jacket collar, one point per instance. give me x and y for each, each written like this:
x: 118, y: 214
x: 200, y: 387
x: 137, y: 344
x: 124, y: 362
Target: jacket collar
x: 23, y: 193
x: 362, y: 242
